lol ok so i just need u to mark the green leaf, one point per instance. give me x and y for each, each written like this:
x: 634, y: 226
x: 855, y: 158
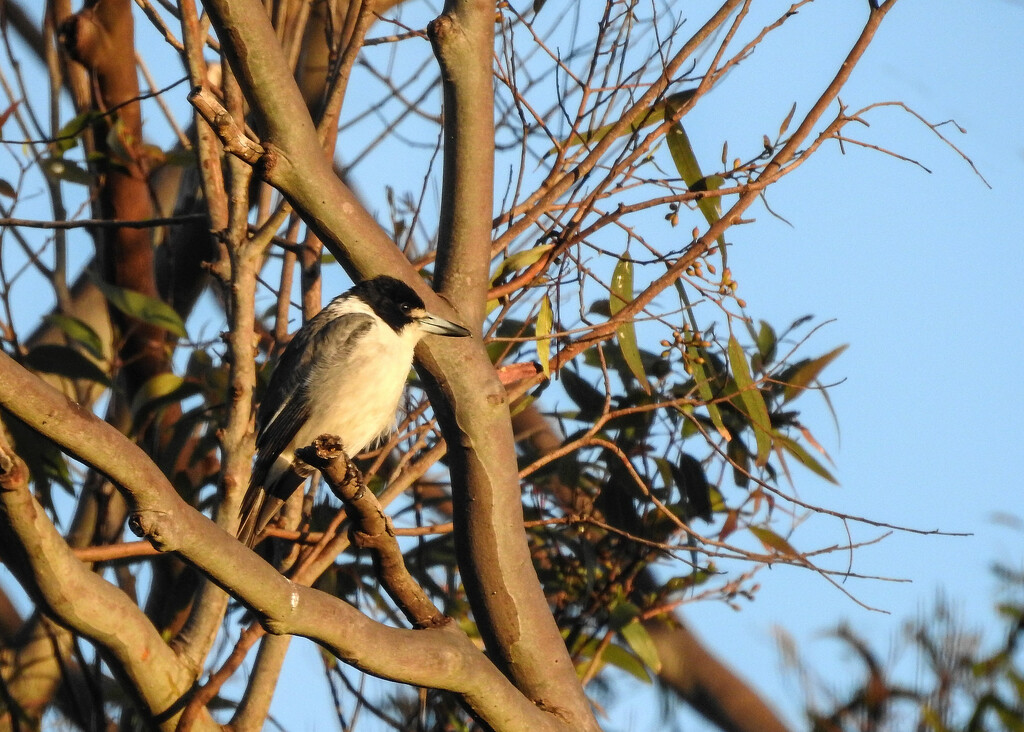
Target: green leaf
x: 656, y: 114
x: 694, y: 358
x: 689, y: 169
x: 64, y: 361
x: 586, y: 397
x: 67, y: 136
x: 641, y: 643
x: 46, y: 463
x: 78, y: 331
x: 545, y: 318
x: 773, y: 541
x: 180, y: 158
x: 683, y: 155
x: 797, y: 378
x: 623, y: 613
x: 739, y: 458
x: 622, y: 659
x: 700, y: 377
x: 689, y: 477
x: 66, y: 170
x: 160, y: 390
x: 520, y: 404
x: 752, y: 399
x: 805, y: 458
x: 766, y: 342
x: 622, y: 295
x: 147, y: 309
x: 521, y: 260
x: 687, y: 582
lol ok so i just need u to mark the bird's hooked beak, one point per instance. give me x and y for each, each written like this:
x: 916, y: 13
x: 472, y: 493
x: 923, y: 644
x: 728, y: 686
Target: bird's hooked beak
x: 439, y: 326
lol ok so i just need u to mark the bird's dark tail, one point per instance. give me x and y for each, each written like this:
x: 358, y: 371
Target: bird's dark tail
x: 247, y: 531
x: 260, y: 506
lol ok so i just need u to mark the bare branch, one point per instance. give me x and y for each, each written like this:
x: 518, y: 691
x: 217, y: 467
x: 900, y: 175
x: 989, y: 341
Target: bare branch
x: 86, y: 602
x: 232, y: 136
x: 375, y: 532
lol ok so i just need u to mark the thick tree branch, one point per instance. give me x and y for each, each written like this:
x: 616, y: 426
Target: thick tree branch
x: 32, y: 668
x: 707, y: 684
x: 101, y: 38
x: 463, y: 41
x: 294, y: 161
x: 23, y: 25
x: 442, y: 657
x: 374, y: 531
x: 513, y: 613
x: 86, y: 602
x: 520, y: 629
x: 244, y: 259
x: 255, y: 705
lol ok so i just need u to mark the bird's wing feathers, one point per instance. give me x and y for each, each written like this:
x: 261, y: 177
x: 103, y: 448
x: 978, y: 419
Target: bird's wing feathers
x: 291, y: 371
x: 275, y: 438
x: 342, y: 332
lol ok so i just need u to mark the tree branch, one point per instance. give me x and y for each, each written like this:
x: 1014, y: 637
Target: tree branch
x: 494, y: 559
x: 442, y: 657
x: 513, y: 615
x: 294, y: 161
x: 31, y: 666
x: 101, y: 38
x: 463, y: 41
x: 87, y: 603
x: 707, y: 684
x: 778, y: 166
x: 374, y: 531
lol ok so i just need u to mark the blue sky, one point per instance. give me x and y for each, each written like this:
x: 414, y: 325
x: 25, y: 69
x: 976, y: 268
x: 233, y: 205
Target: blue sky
x: 925, y: 280
x: 923, y: 277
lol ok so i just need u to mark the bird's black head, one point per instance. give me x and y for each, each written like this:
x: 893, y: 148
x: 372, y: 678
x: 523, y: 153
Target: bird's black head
x: 398, y: 305
x: 392, y: 300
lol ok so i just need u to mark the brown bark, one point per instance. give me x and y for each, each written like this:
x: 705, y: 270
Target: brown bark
x: 707, y: 684
x: 510, y: 608
x: 32, y: 666
x: 80, y: 599
x: 101, y: 38
x: 18, y: 19
x: 511, y: 611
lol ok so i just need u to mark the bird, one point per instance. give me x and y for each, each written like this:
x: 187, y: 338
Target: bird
x: 343, y: 373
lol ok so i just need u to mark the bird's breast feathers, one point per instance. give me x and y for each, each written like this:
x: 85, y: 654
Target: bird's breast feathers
x: 356, y: 394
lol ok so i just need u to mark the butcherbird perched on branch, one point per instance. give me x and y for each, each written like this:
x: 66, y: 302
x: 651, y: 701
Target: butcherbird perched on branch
x: 343, y: 373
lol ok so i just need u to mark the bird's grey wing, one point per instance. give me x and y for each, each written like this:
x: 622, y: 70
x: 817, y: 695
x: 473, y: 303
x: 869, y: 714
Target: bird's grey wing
x: 275, y: 438
x: 338, y: 337
x: 262, y: 502
x: 290, y: 372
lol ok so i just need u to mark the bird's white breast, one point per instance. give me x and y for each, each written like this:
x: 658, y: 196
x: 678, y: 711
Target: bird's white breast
x: 356, y: 397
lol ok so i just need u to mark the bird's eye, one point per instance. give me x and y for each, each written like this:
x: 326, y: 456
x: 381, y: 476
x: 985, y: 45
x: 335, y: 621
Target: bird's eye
x: 406, y: 308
